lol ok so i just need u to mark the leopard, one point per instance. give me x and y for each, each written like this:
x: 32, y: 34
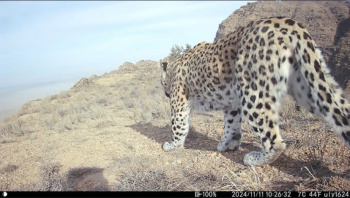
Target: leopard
x: 246, y: 74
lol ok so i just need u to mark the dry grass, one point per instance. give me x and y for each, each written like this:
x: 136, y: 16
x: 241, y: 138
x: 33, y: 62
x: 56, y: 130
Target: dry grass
x: 106, y: 134
x: 52, y: 178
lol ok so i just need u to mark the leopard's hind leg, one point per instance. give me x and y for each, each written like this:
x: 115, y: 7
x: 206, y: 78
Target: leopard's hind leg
x: 263, y: 118
x: 260, y: 99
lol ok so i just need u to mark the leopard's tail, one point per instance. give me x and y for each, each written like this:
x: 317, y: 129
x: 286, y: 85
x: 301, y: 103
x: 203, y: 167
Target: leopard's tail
x: 313, y: 87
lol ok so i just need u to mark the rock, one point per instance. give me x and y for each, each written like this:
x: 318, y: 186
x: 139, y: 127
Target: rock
x: 327, y: 21
x: 84, y: 83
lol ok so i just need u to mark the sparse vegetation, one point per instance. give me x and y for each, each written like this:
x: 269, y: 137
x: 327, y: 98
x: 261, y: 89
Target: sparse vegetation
x: 176, y: 51
x: 106, y: 134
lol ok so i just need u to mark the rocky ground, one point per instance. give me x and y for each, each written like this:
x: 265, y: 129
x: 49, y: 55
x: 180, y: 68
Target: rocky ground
x: 327, y: 21
x: 106, y: 134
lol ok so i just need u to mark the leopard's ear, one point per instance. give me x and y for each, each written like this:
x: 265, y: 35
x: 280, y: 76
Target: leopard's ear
x: 164, y: 65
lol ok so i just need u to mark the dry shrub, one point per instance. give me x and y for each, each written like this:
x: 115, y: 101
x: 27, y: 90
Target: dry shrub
x: 243, y: 180
x: 147, y: 103
x: 5, y: 170
x: 12, y: 127
x: 51, y: 179
x: 144, y: 181
x: 84, y: 84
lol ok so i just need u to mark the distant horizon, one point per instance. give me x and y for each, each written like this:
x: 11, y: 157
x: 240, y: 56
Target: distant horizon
x: 9, y: 95
x: 47, y: 46
x: 12, y: 100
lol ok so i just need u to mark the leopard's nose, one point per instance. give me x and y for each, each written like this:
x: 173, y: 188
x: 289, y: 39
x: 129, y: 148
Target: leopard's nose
x: 167, y: 94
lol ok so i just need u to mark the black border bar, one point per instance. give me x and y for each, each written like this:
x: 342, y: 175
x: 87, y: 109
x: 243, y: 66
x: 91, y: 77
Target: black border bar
x: 237, y: 194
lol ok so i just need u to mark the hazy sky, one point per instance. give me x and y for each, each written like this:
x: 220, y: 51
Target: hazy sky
x: 43, y: 43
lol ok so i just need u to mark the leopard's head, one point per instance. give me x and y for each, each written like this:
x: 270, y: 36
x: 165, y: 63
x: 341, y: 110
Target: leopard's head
x: 165, y: 79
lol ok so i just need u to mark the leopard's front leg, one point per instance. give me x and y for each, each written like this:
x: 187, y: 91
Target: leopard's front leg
x: 180, y: 124
x: 233, y: 133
